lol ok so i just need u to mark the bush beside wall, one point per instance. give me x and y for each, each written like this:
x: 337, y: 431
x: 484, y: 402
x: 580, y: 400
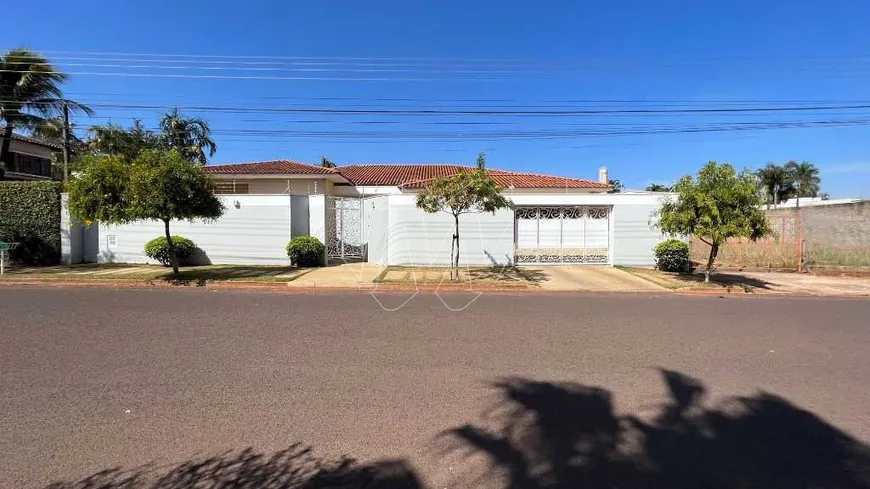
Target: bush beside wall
x: 30, y: 215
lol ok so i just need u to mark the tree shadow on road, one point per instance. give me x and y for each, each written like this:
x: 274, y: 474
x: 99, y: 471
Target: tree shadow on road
x: 549, y: 435
x: 543, y: 435
x: 293, y: 468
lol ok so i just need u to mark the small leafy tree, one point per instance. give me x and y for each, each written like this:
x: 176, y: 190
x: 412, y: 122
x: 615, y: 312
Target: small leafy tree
x: 468, y: 191
x: 718, y: 204
x: 158, y: 185
x: 166, y: 185
x: 98, y: 192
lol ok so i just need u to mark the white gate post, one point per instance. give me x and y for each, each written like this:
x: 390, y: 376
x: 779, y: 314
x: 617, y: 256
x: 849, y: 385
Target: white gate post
x: 317, y: 219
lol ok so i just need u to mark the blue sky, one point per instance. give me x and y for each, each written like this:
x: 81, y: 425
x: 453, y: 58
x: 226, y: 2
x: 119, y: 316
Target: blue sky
x: 507, y: 55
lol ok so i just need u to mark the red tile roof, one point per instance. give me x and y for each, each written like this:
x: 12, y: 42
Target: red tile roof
x: 416, y: 176
x: 408, y: 176
x: 277, y: 167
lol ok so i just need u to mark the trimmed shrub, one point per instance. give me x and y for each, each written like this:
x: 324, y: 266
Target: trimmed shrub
x: 158, y: 249
x: 672, y: 255
x: 30, y: 216
x: 306, y: 251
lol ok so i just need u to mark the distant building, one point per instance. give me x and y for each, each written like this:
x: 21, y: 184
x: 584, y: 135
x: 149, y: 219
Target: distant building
x: 811, y: 201
x: 31, y: 159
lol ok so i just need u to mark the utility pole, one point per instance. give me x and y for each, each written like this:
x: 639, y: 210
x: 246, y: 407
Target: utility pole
x: 65, y: 141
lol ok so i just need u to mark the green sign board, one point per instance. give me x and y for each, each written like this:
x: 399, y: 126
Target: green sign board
x: 4, y: 246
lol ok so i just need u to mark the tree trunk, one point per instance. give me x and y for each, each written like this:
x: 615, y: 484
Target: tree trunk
x: 5, y: 155
x: 714, y: 250
x: 455, y: 264
x: 452, y: 253
x: 173, y: 260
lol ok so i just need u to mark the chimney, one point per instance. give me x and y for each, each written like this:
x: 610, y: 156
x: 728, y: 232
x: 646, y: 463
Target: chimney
x: 602, y: 175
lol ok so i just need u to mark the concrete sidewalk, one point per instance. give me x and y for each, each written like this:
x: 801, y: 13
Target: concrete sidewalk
x: 593, y: 278
x: 804, y: 283
x: 346, y: 276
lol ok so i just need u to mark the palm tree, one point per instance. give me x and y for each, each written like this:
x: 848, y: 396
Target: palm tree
x: 190, y: 136
x: 616, y: 186
x: 326, y: 162
x: 29, y: 94
x: 657, y: 187
x: 806, y: 179
x: 776, y: 183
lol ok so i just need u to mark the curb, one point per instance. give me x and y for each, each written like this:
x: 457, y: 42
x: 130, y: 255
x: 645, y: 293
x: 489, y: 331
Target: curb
x: 273, y: 286
x: 289, y: 287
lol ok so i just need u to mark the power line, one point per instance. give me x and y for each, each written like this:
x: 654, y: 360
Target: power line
x: 512, y: 113
x: 433, y: 59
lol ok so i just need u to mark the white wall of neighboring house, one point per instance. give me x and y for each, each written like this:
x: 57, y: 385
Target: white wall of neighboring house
x: 279, y: 186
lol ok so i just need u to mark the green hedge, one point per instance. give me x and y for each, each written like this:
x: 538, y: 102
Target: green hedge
x: 30, y: 215
x: 672, y: 255
x: 306, y: 251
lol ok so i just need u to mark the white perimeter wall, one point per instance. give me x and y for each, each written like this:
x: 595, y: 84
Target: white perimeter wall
x: 418, y: 238
x: 408, y: 236
x: 254, y: 233
x: 397, y: 232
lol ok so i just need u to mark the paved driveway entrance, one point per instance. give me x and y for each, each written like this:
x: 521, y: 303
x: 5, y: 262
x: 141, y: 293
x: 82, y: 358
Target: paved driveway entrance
x: 594, y: 278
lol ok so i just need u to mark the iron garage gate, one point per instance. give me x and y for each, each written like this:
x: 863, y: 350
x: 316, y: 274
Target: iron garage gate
x: 562, y: 234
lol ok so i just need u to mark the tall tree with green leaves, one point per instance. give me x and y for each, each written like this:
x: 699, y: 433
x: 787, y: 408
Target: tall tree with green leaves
x: 718, y: 204
x: 189, y: 136
x: 30, y: 93
x: 469, y: 191
x: 805, y: 178
x: 481, y: 161
x: 159, y: 185
x: 112, y: 139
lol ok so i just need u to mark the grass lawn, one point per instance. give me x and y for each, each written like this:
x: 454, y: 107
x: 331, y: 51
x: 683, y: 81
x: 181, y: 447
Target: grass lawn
x: 500, y: 276
x: 147, y: 273
x: 678, y: 281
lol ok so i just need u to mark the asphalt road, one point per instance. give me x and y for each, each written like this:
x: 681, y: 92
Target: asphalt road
x: 95, y: 379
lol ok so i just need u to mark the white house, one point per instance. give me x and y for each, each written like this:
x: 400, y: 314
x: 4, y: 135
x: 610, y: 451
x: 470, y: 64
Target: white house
x: 368, y: 212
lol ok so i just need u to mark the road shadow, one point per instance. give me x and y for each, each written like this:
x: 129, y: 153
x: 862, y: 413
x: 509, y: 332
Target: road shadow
x: 544, y: 435
x: 564, y: 435
x: 293, y: 468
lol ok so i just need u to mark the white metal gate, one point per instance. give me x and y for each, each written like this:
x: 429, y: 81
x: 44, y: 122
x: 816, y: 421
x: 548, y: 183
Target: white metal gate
x: 562, y: 234
x: 345, y: 235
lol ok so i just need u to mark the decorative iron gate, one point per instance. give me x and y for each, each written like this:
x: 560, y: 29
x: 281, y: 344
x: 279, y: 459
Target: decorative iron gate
x: 345, y: 235
x: 562, y: 234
